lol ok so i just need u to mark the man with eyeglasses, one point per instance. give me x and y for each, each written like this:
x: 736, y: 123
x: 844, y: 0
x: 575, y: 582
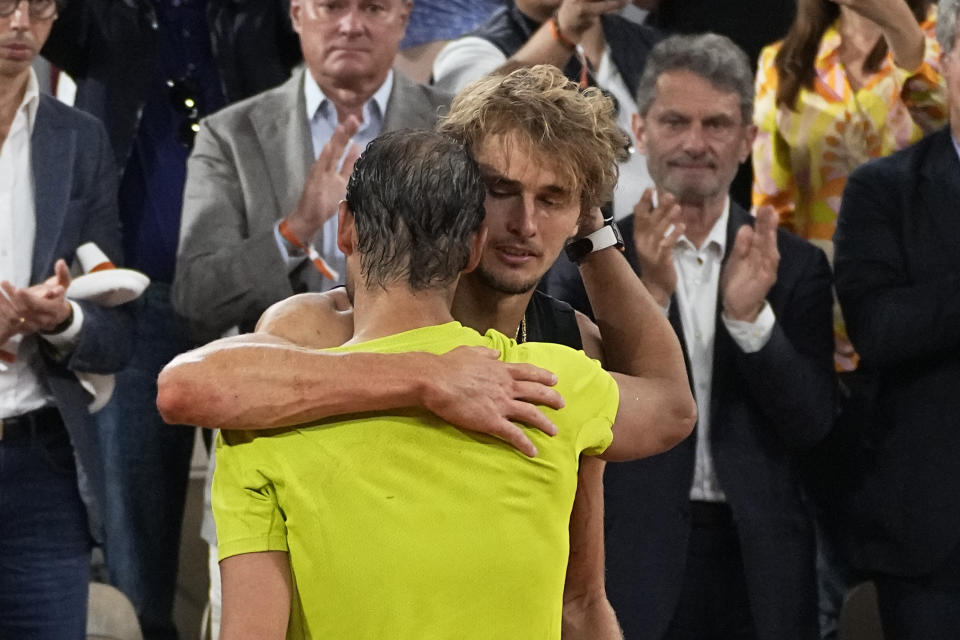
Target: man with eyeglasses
x: 57, y: 191
x: 149, y: 70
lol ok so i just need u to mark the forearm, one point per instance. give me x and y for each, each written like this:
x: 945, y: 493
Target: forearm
x: 240, y: 383
x: 587, y: 613
x: 106, y: 341
x: 590, y: 618
x: 541, y: 48
x: 639, y: 343
x: 904, y: 35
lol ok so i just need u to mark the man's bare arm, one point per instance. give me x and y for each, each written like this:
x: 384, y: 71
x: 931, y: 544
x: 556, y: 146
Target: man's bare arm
x: 256, y: 596
x: 574, y: 19
x: 267, y: 379
x: 657, y: 409
x: 587, y: 614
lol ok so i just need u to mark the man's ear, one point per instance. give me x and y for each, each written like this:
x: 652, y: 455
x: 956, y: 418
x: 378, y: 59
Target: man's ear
x: 477, y: 243
x: 296, y: 14
x: 346, y: 229
x: 638, y: 129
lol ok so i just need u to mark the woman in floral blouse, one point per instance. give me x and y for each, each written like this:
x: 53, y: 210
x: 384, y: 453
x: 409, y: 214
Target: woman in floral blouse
x: 852, y: 80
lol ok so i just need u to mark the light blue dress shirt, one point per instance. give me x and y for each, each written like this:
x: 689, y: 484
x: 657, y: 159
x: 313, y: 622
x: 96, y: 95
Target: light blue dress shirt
x: 322, y: 117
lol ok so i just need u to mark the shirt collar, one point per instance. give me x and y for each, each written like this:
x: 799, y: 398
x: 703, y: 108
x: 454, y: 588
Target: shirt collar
x: 956, y: 145
x: 830, y: 42
x: 717, y: 235
x: 316, y: 99
x: 31, y: 101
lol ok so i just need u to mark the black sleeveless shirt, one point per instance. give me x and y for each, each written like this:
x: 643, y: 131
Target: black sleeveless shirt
x: 551, y: 320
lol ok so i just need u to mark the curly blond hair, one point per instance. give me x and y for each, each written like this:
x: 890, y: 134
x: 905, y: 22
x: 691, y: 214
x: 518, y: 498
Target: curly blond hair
x: 553, y: 118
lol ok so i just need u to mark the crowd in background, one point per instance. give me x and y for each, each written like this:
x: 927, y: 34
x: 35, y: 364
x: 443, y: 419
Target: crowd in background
x: 223, y: 144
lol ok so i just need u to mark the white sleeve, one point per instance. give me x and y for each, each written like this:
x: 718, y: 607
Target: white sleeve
x: 464, y: 60
x: 752, y: 336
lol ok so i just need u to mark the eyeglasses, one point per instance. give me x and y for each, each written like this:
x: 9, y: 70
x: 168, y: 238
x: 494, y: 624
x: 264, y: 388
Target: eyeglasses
x: 183, y: 98
x: 39, y: 9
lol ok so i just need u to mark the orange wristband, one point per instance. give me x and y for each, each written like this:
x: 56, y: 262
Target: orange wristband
x: 290, y: 236
x: 558, y: 35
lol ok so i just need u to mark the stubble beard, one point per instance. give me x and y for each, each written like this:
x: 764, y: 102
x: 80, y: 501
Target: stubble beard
x: 501, y: 285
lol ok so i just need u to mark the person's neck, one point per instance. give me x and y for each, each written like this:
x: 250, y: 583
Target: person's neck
x: 349, y: 98
x: 700, y: 216
x: 478, y: 306
x: 382, y: 312
x: 12, y: 91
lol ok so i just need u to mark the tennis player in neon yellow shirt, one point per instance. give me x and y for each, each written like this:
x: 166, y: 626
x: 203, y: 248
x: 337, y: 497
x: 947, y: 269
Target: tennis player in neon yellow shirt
x: 397, y: 525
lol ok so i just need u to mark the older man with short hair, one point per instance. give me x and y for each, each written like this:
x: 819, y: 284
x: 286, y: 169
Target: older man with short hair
x: 255, y: 228
x: 712, y: 539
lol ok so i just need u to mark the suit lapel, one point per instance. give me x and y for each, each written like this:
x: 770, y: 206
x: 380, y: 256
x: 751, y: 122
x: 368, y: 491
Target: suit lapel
x: 724, y: 349
x: 52, y: 150
x: 284, y: 135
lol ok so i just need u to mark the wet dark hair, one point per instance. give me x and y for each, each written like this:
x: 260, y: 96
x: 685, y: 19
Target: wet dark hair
x: 417, y: 199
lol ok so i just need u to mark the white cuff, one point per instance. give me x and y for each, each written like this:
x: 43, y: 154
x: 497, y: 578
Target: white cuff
x: 752, y: 336
x: 66, y: 340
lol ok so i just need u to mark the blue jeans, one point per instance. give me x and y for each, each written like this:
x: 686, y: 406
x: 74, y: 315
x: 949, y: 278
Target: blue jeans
x: 44, y: 541
x: 146, y: 467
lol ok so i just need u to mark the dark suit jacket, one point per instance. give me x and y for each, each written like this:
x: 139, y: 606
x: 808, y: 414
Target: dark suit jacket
x: 76, y: 202
x: 765, y: 408
x: 898, y: 279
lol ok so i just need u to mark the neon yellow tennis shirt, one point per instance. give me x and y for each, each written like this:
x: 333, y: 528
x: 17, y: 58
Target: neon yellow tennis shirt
x: 400, y: 526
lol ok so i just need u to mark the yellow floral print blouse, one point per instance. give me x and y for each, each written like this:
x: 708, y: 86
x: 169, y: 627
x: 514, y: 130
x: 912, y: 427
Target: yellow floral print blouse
x: 801, y: 159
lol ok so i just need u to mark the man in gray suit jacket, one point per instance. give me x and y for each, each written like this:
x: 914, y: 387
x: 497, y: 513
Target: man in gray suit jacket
x: 57, y: 191
x: 254, y: 230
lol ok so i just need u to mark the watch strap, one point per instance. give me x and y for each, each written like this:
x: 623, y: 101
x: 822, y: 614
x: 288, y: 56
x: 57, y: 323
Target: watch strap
x: 606, y: 236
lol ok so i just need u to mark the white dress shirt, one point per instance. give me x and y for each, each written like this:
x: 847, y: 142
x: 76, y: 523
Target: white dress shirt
x: 20, y: 388
x: 698, y: 283
x: 322, y: 117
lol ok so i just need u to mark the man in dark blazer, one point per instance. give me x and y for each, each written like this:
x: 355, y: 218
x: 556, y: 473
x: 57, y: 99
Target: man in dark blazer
x: 57, y: 192
x: 712, y: 539
x: 898, y: 280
